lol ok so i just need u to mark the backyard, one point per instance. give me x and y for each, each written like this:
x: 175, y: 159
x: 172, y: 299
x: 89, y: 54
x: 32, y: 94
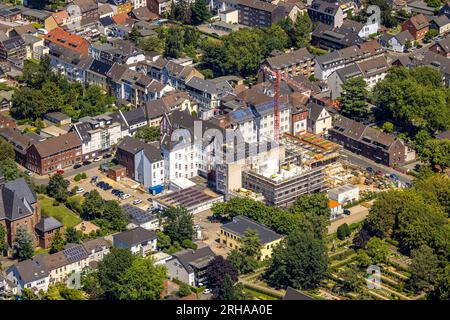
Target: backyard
x: 60, y: 212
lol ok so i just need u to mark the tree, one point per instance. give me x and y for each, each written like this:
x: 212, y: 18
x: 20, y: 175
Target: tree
x: 301, y: 263
x: 147, y: 134
x: 163, y: 241
x: 351, y: 281
x: 28, y: 294
x: 434, y: 4
x: 92, y: 205
x: 435, y: 189
x: 343, y: 231
x: 441, y: 290
x: 361, y: 239
x: 377, y: 250
x: 134, y: 35
x: 70, y: 293
x: 423, y: 268
x: 114, y: 215
x: 57, y: 243
x: 3, y: 242
x: 73, y: 235
x: 91, y: 285
x: 301, y: 32
x: 141, y: 281
x: 274, y: 38
x: 229, y: 290
x: 52, y: 293
x: 313, y: 213
x: 437, y: 153
x: 23, y: 244
x: 217, y: 270
x: 151, y: 43
x: 431, y: 33
x: 245, y: 259
x: 179, y: 225
x: 354, y: 99
x: 174, y: 43
x: 184, y: 290
x: 388, y: 127
x: 200, y: 12
x: 6, y: 150
x: 9, y: 169
x: 363, y: 259
x: 57, y: 187
x: 181, y: 11
x: 111, y: 270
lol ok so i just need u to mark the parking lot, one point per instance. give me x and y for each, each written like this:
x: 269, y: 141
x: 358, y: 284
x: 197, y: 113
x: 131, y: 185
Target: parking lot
x: 210, y: 232
x: 126, y: 185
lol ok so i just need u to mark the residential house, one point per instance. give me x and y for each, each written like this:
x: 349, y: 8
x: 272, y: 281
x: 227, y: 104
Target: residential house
x: 140, y: 218
x: 291, y: 63
x: 139, y: 4
x: 372, y: 71
x: 98, y: 135
x: 445, y: 10
x: 13, y: 48
x: 38, y: 16
x: 43, y: 270
x: 19, y: 141
x: 417, y: 25
x: 442, y: 47
x: 143, y: 162
x: 35, y: 48
x: 5, y: 120
x: 335, y: 38
x: 45, y: 157
x: 420, y: 7
x: 67, y: 40
x: 19, y: 208
x: 232, y: 233
x: 175, y: 100
x: 327, y: 63
x: 105, y: 10
x: 190, y: 266
x: 88, y: 8
x: 5, y: 104
x: 96, y: 74
x: 10, y: 14
x: 329, y: 13
x: 46, y: 230
x: 68, y: 63
x: 398, y: 42
x: 344, y: 194
x: 441, y: 24
x: 371, y: 143
x: 255, y: 13
x: 160, y: 7
x: 138, y: 240
x: 319, y: 119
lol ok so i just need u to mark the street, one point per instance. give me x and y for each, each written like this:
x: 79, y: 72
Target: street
x: 358, y: 214
x: 363, y: 162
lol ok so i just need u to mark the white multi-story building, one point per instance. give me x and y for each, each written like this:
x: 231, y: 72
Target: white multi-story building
x: 98, y: 134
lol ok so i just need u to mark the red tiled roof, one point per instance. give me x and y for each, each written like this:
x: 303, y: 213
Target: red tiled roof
x: 68, y: 40
x: 120, y: 18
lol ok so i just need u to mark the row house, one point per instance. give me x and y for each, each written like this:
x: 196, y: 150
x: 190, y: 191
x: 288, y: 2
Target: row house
x: 67, y: 40
x: 255, y: 13
x: 372, y: 71
x: 43, y: 270
x: 68, y: 63
x: 371, y: 143
x: 13, y: 48
x: 327, y: 63
x: 98, y: 134
x: 291, y: 63
x: 88, y: 8
x: 116, y: 51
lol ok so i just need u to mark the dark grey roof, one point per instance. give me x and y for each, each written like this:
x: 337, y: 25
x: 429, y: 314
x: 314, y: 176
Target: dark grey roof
x: 325, y: 7
x: 404, y: 37
x: 106, y: 21
x: 95, y: 245
x: 75, y: 253
x: 292, y: 294
x: 16, y: 200
x: 30, y: 270
x: 240, y: 224
x: 135, y: 116
x: 291, y: 58
x: 47, y: 224
x: 133, y: 146
x: 137, y: 215
x: 135, y: 236
x: 191, y: 259
x: 100, y: 67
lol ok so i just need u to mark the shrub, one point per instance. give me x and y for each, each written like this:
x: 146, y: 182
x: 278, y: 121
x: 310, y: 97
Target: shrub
x: 55, y: 203
x: 83, y: 175
x: 343, y: 231
x: 77, y: 177
x: 184, y: 290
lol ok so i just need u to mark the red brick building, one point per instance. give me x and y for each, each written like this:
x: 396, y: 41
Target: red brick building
x: 442, y: 47
x: 46, y: 230
x: 44, y: 157
x: 417, y: 25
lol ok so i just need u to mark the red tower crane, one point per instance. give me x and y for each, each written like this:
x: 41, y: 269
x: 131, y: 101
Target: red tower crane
x: 277, y: 76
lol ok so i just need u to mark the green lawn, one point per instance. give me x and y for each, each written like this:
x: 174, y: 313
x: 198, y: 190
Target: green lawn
x: 66, y: 216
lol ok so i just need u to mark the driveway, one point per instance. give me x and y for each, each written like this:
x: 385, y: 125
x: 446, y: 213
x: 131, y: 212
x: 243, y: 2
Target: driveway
x: 210, y: 232
x: 358, y: 214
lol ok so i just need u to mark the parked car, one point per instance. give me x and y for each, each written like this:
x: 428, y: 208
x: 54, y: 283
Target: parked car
x: 107, y: 156
x: 86, y: 163
x: 60, y: 171
x: 94, y: 179
x: 379, y: 173
x: 393, y: 176
x: 137, y: 201
x: 347, y: 212
x: 77, y: 166
x: 125, y: 196
x: 97, y: 159
x: 28, y: 173
x: 107, y: 187
x: 370, y: 170
x: 207, y: 291
x: 80, y: 190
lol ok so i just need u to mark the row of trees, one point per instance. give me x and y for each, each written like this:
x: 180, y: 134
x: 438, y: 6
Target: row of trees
x: 194, y: 13
x: 45, y: 92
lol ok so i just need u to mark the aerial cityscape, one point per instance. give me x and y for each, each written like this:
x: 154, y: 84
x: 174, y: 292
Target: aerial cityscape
x: 224, y: 150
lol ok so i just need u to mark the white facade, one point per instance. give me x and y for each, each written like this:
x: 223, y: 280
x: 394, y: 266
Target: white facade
x: 141, y: 248
x: 175, y: 270
x: 139, y: 4
x: 367, y: 30
x: 148, y: 173
x: 344, y: 194
x: 181, y: 162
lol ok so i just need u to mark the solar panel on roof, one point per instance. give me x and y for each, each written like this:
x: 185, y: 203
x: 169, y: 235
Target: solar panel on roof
x: 75, y: 253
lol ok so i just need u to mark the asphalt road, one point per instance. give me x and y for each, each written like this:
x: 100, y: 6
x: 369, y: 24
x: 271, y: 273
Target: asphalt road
x: 358, y: 213
x: 68, y: 172
x: 363, y: 162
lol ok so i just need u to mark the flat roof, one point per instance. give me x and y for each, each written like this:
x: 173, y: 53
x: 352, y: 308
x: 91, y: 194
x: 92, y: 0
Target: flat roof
x: 187, y: 198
